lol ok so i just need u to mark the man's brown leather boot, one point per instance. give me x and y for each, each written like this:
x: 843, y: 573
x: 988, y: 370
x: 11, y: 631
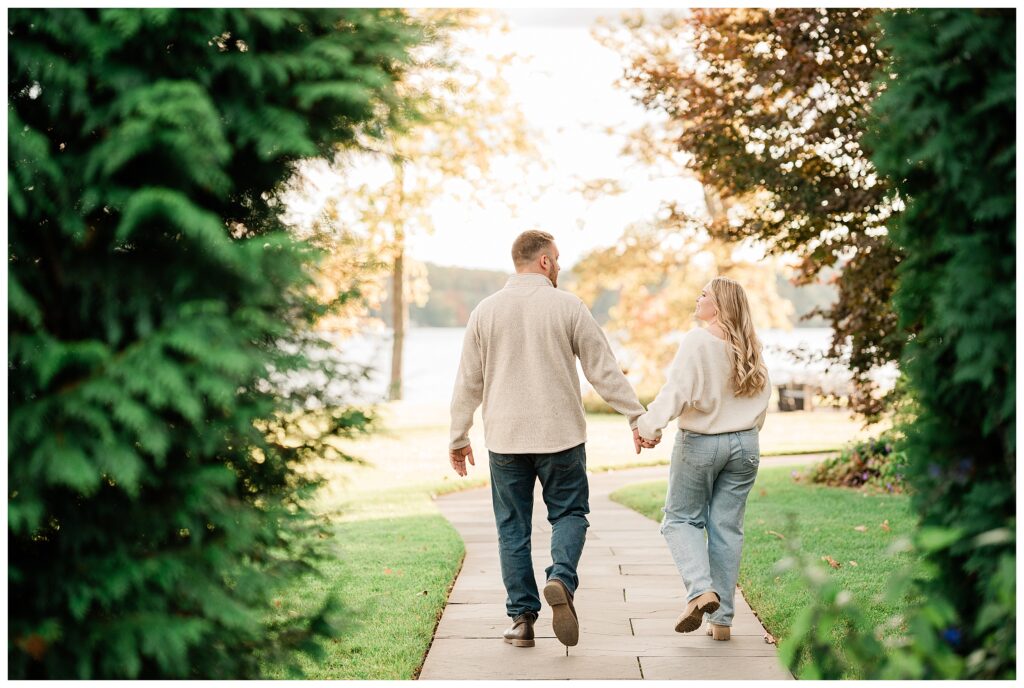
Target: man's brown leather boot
x: 520, y: 634
x: 565, y: 622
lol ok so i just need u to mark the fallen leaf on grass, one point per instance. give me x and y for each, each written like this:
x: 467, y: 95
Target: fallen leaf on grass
x: 778, y: 535
x: 388, y: 572
x: 885, y: 525
x: 769, y: 638
x: 861, y: 529
x: 831, y: 562
x: 853, y: 563
x: 763, y: 492
x: 422, y: 593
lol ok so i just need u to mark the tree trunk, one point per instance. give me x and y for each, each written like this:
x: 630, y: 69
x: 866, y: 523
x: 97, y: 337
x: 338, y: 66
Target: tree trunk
x: 398, y: 284
x: 397, y: 324
x: 719, y: 213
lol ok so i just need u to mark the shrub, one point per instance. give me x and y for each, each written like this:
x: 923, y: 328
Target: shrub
x: 876, y: 462
x: 155, y: 500
x: 593, y: 403
x: 946, y: 136
x: 944, y: 133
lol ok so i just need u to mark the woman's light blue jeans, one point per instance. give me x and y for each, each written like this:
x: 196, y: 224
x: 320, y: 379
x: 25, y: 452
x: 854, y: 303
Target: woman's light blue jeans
x: 708, y: 483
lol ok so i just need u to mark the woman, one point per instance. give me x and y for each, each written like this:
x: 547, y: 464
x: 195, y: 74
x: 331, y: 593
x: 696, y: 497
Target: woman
x: 718, y: 387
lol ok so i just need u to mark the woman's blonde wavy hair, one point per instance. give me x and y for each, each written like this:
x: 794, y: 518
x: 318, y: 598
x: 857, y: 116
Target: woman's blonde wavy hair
x: 749, y: 373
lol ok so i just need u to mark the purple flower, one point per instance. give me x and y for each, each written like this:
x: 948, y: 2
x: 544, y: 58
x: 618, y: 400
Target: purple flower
x: 934, y: 470
x: 952, y: 636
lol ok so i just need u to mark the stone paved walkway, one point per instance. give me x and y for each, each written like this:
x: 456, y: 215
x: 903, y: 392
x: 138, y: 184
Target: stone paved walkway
x: 629, y: 597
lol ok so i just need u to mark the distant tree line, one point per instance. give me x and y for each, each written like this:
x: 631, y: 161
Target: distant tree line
x: 454, y: 292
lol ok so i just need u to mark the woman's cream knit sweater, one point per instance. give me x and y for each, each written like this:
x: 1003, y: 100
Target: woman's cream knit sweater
x: 699, y: 392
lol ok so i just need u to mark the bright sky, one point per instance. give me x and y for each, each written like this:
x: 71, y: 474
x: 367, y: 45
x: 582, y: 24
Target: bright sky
x: 565, y: 87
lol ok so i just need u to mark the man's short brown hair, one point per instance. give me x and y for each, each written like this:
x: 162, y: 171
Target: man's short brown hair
x: 528, y: 244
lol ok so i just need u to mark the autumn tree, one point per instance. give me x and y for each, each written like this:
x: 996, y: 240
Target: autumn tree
x: 658, y: 268
x: 769, y: 109
x: 356, y: 251
x: 659, y: 265
x: 467, y: 122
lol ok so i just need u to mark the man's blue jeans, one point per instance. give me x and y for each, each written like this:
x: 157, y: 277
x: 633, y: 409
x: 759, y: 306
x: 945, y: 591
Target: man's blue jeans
x: 563, y: 478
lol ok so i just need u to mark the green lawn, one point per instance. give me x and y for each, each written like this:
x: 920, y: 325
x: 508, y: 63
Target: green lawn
x: 826, y: 520
x: 397, y: 557
x: 396, y: 560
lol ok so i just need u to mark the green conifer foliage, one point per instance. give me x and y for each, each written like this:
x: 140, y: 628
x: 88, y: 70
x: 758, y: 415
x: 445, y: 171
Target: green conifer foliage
x: 154, y: 303
x: 946, y: 138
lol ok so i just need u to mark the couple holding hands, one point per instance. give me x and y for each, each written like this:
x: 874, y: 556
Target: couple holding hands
x: 519, y: 361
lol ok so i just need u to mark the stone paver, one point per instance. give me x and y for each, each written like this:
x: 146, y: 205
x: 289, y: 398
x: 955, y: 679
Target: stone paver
x: 629, y: 597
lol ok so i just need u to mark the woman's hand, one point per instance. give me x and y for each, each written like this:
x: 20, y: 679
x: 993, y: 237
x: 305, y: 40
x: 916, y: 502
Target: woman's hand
x: 639, y: 441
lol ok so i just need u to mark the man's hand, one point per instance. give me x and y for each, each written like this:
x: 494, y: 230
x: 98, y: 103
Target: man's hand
x: 457, y: 457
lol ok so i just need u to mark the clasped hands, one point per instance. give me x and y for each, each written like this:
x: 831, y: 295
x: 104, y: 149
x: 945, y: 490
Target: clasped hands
x: 639, y: 441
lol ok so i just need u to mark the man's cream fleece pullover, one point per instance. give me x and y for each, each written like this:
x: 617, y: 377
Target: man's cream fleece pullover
x: 699, y: 391
x: 519, y: 359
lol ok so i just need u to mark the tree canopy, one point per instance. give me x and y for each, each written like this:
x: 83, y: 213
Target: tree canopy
x: 768, y: 108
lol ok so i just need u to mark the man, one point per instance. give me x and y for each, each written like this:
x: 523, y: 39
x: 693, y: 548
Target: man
x: 519, y: 360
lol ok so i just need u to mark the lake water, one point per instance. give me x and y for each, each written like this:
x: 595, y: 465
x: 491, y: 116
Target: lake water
x: 432, y: 360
